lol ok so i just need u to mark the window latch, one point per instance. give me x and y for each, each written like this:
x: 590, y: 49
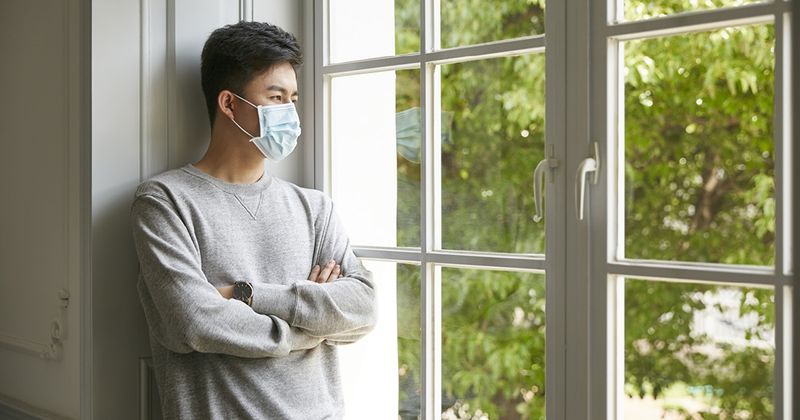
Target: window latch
x: 538, y: 177
x: 587, y: 166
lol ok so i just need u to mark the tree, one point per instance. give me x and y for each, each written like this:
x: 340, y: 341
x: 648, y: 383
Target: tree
x: 699, y: 187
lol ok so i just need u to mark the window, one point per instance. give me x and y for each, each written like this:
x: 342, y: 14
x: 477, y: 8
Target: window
x: 669, y: 297
x: 694, y: 253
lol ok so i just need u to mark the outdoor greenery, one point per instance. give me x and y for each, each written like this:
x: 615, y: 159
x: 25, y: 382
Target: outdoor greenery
x: 699, y: 169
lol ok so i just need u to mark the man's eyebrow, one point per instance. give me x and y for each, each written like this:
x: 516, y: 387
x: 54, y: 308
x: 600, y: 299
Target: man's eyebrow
x: 280, y: 89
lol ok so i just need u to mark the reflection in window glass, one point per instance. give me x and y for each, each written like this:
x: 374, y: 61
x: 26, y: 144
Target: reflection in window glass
x: 375, y: 154
x: 478, y: 21
x: 492, y: 139
x: 643, y: 9
x: 493, y: 344
x: 368, y: 29
x: 406, y: 26
x: 383, y: 378
x: 698, y: 351
x: 699, y: 156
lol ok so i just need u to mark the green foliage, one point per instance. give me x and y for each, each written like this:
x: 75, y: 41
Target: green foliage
x: 406, y: 26
x: 408, y: 336
x: 639, y: 9
x: 466, y: 22
x: 493, y: 340
x: 699, y: 187
x: 698, y: 151
x: 497, y: 136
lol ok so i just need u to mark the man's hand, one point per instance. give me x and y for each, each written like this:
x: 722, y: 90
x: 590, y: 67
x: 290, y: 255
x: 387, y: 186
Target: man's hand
x: 327, y: 274
x: 226, y: 291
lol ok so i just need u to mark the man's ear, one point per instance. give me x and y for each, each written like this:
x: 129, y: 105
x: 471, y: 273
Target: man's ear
x: 226, y: 103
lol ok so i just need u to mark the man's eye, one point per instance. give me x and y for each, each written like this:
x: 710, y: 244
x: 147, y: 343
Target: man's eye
x: 276, y: 98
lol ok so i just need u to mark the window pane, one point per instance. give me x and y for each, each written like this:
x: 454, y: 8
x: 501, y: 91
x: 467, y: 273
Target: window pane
x: 375, y: 156
x: 376, y: 28
x: 643, y: 9
x: 382, y: 379
x: 698, y: 147
x: 493, y: 344
x: 492, y: 139
x: 474, y: 22
x: 698, y: 351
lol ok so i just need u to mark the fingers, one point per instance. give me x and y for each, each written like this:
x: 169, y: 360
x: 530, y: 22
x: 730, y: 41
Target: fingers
x: 326, y: 271
x: 336, y: 273
x: 314, y: 273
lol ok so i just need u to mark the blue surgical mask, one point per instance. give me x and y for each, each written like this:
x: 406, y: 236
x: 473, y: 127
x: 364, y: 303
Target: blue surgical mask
x: 280, y: 127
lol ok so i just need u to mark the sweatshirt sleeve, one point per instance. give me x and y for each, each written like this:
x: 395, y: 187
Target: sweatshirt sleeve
x: 341, y: 311
x: 184, y: 311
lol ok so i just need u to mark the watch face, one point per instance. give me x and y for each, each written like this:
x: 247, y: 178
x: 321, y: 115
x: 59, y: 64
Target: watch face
x: 242, y: 291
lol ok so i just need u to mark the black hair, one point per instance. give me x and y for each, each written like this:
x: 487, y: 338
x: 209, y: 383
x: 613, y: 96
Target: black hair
x: 234, y: 54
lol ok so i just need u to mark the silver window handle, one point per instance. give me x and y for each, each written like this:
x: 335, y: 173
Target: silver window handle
x: 538, y: 177
x: 590, y: 164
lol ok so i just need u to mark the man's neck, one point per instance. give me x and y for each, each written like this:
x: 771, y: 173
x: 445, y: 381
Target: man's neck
x: 233, y: 160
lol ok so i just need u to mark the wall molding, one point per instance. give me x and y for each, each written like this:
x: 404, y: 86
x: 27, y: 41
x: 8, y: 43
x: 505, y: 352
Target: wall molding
x: 71, y: 185
x: 47, y: 351
x: 83, y: 61
x: 156, y: 86
x: 149, y: 402
x: 245, y: 10
x: 12, y: 409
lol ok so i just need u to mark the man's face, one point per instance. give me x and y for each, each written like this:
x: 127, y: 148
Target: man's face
x: 275, y: 86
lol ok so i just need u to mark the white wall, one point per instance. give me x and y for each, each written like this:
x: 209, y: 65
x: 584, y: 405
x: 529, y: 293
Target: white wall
x: 42, y: 135
x: 80, y: 130
x: 118, y: 328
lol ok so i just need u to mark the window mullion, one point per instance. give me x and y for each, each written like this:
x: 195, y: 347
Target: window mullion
x: 782, y: 123
x: 779, y: 371
x: 780, y: 133
x: 430, y: 285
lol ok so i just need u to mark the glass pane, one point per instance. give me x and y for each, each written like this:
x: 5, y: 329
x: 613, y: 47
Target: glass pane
x: 493, y: 344
x: 643, y: 9
x: 698, y: 351
x: 392, y: 28
x: 698, y: 147
x: 478, y: 21
x: 375, y: 156
x: 492, y: 139
x: 382, y: 379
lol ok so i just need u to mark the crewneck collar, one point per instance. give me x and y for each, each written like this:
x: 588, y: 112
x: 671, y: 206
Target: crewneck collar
x: 239, y: 189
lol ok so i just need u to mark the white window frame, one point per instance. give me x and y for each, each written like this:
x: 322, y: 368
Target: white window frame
x: 607, y: 270
x: 584, y: 361
x: 794, y: 393
x: 429, y: 255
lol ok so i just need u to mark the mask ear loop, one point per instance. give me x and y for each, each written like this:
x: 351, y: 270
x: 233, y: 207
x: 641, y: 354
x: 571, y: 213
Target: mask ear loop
x: 243, y: 130
x: 251, y: 104
x: 237, y: 124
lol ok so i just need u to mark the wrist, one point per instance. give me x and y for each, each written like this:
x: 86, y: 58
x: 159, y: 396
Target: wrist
x: 226, y: 291
x: 243, y: 291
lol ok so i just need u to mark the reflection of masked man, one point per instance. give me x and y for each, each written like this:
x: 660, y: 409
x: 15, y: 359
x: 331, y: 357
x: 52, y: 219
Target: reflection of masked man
x: 409, y: 132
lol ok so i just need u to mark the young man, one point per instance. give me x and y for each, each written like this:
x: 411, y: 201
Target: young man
x: 247, y: 282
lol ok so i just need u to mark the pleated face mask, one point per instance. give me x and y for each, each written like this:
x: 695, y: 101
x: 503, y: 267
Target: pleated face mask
x: 280, y: 128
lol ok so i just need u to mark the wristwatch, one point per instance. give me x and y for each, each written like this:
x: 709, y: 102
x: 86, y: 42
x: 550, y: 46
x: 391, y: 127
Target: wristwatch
x: 243, y: 291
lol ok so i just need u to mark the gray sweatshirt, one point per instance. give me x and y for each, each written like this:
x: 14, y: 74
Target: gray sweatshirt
x: 216, y: 358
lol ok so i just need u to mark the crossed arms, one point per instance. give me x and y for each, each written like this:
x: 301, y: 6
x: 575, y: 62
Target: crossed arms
x: 187, y: 313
